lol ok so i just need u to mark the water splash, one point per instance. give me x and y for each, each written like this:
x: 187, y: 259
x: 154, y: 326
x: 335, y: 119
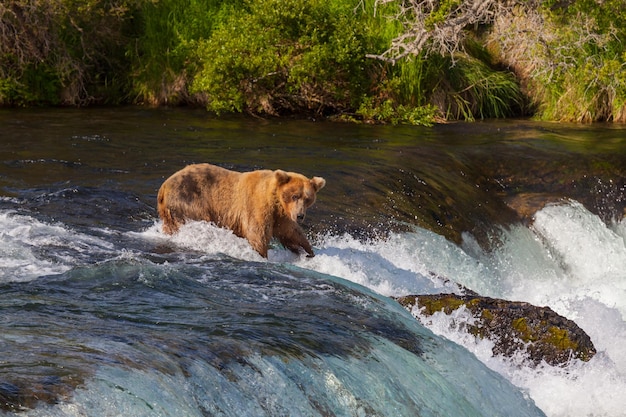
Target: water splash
x: 30, y: 248
x: 573, y: 262
x: 539, y: 264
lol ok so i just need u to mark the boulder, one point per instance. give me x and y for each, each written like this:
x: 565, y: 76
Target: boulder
x: 539, y: 332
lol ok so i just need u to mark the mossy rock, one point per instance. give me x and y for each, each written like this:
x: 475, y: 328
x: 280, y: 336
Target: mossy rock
x: 514, y: 326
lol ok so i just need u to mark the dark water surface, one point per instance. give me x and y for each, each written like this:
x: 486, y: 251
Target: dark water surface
x: 101, y: 314
x: 450, y: 178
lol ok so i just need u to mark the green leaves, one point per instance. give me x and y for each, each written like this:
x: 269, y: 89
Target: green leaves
x: 282, y: 56
x: 274, y: 57
x: 393, y: 113
x: 62, y: 52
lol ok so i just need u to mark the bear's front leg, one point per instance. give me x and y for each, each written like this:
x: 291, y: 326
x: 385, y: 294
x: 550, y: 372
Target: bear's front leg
x: 260, y: 247
x: 259, y: 236
x: 291, y: 236
x: 259, y: 244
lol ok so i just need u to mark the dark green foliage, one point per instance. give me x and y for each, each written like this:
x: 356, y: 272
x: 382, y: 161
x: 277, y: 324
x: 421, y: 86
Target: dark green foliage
x: 164, y: 56
x: 471, y: 89
x: 391, y: 112
x: 62, y: 52
x: 37, y: 83
x: 274, y: 57
x: 283, y: 56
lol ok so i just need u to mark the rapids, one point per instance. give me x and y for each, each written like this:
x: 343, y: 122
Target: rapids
x: 102, y: 314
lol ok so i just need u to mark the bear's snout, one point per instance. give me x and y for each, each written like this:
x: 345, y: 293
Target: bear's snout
x: 297, y: 214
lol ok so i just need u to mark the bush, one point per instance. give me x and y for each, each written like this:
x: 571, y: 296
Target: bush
x: 62, y: 52
x: 569, y: 57
x: 312, y: 56
x: 393, y: 113
x: 460, y: 85
x: 471, y: 89
x: 163, y: 58
x: 283, y: 56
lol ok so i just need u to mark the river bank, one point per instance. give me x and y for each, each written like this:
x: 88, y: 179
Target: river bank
x: 320, y: 59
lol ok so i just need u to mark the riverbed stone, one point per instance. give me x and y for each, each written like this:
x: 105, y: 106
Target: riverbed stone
x: 514, y: 327
x: 527, y: 204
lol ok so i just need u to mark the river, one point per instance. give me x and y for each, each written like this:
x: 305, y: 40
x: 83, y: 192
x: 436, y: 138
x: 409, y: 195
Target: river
x: 104, y: 315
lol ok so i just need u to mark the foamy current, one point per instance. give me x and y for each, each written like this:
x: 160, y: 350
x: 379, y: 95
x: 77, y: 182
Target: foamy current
x: 568, y: 259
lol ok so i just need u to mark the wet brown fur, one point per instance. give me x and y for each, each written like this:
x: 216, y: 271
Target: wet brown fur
x: 256, y: 205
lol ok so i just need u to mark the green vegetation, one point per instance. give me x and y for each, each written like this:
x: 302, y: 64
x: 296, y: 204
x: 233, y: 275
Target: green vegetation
x: 164, y: 56
x: 557, y: 60
x: 278, y: 56
x: 569, y: 57
x: 63, y: 52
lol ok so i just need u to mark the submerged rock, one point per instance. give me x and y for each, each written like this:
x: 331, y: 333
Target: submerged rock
x: 527, y: 204
x: 513, y: 326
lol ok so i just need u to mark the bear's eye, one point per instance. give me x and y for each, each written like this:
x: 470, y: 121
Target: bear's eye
x: 295, y: 197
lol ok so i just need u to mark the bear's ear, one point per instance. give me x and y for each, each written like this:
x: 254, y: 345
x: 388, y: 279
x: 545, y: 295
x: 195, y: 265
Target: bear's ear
x: 281, y: 176
x: 318, y: 183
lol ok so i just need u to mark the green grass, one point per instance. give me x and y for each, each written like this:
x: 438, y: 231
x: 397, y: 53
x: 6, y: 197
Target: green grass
x: 275, y: 57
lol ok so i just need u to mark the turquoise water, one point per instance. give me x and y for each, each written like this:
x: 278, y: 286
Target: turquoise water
x: 102, y: 314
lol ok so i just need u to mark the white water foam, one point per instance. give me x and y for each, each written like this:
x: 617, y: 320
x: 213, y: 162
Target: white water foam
x: 402, y: 264
x: 21, y: 237
x: 205, y: 238
x: 592, y: 256
x: 568, y: 260
x: 573, y: 262
x: 30, y: 248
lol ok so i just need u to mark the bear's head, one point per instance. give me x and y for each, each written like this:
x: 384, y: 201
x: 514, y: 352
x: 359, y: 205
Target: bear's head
x: 296, y: 192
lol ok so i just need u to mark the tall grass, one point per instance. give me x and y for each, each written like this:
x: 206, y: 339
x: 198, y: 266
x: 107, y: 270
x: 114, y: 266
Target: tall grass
x: 164, y: 56
x: 470, y: 89
x: 569, y: 56
x: 467, y: 87
x: 562, y: 59
x: 63, y: 52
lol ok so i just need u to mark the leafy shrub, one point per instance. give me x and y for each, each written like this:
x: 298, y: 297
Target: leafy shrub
x: 282, y: 56
x: 390, y: 112
x: 569, y: 57
x: 471, y: 89
x: 62, y: 52
x: 164, y: 57
x: 313, y: 56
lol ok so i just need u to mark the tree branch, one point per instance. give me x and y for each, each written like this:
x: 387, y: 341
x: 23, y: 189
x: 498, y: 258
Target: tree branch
x: 438, y: 26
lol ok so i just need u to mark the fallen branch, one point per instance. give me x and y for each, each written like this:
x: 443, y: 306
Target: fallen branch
x: 439, y: 26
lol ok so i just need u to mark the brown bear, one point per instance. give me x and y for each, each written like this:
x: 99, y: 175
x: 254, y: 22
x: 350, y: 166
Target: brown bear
x: 256, y: 205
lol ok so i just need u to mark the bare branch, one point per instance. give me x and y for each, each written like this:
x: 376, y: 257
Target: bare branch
x: 435, y: 26
x: 535, y: 47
